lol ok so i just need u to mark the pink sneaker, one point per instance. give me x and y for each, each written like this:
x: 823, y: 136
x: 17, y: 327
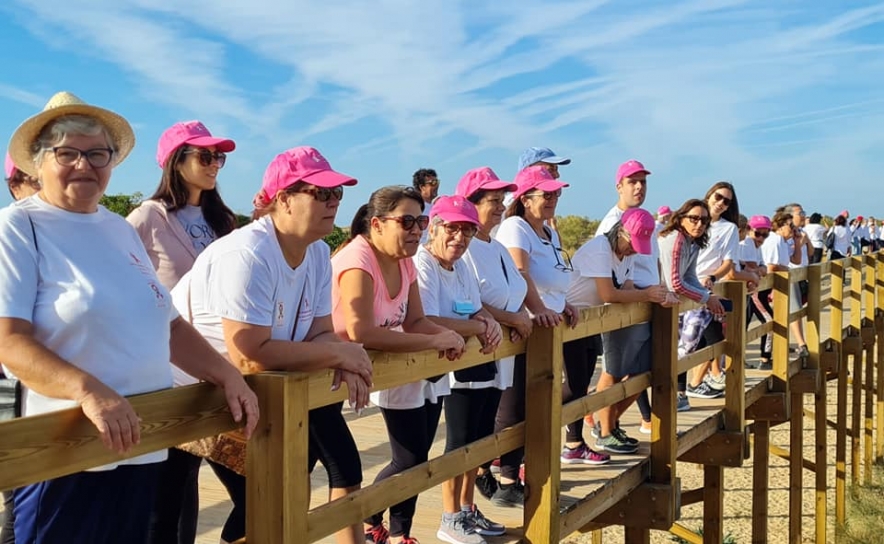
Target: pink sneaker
x: 583, y: 455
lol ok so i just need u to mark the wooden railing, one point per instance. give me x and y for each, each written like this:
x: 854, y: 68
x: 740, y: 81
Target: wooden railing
x: 37, y: 448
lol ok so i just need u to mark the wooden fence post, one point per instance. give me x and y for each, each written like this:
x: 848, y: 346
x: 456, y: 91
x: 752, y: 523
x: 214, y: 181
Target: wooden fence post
x: 814, y: 336
x: 879, y: 340
x: 278, y: 485
x: 543, y: 435
x: 760, y: 481
x: 868, y: 337
x: 836, y: 324
x: 782, y: 292
x: 856, y: 281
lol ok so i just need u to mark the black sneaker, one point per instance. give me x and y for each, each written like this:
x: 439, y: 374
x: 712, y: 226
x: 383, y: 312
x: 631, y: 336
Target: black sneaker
x: 766, y: 366
x: 802, y: 352
x: 486, y: 484
x: 703, y: 391
x: 623, y: 437
x: 509, y: 495
x: 613, y: 444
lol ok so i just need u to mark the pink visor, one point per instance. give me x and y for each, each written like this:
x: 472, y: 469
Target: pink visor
x: 454, y: 209
x: 482, y: 179
x: 300, y: 164
x: 640, y: 225
x: 536, y: 178
x: 191, y: 133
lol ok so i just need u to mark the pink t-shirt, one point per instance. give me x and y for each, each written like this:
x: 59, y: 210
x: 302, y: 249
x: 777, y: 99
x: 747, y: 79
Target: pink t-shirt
x: 389, y: 311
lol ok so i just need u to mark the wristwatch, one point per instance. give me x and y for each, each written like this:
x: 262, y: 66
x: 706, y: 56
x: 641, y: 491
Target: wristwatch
x: 713, y: 278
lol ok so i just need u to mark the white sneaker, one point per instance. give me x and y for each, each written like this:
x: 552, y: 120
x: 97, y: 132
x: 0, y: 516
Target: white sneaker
x: 716, y: 382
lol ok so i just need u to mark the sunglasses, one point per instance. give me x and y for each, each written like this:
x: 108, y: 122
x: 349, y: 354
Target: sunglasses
x: 408, y: 221
x: 323, y: 194
x: 723, y: 199
x: 563, y: 264
x: 468, y: 230
x: 762, y: 233
x: 698, y: 219
x: 547, y: 195
x: 431, y: 182
x: 206, y: 157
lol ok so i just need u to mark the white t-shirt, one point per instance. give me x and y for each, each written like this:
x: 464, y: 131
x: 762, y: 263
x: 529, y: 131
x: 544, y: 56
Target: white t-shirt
x: 805, y: 259
x: 816, y: 233
x: 544, y: 257
x: 776, y: 250
x: 596, y: 259
x: 750, y: 253
x: 191, y: 218
x: 501, y: 286
x: 92, y: 295
x: 723, y: 245
x: 244, y: 277
x: 647, y: 271
x: 425, y: 234
x: 842, y: 239
x: 444, y: 293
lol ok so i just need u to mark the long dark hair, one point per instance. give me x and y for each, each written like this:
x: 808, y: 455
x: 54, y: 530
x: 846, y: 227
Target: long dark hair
x: 674, y: 223
x: 732, y: 213
x: 381, y: 202
x: 172, y: 192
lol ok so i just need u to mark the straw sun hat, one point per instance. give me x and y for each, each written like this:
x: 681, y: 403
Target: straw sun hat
x: 65, y: 103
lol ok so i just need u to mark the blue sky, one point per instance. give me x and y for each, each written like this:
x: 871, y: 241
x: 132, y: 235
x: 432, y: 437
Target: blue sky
x: 781, y: 97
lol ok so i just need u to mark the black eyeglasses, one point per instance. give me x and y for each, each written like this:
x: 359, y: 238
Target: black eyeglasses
x: 468, y: 230
x: 323, y: 194
x: 723, y: 199
x: 98, y: 157
x: 560, y: 265
x: 408, y: 221
x: 547, y: 195
x: 206, y: 157
x: 697, y: 219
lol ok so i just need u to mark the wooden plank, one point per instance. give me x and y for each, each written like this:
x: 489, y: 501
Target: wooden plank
x: 770, y: 407
x: 356, y: 506
x: 809, y: 380
x: 649, y: 499
x: 588, y: 508
x: 607, y: 317
x: 713, y: 504
x: 46, y: 446
x: 691, y: 360
x: 614, y: 394
x: 796, y: 468
x: 278, y: 485
x: 724, y: 448
x: 869, y: 381
x: 758, y: 331
x: 781, y: 294
x: 735, y: 397
x: 636, y: 535
x: 686, y: 534
x: 760, y: 463
x: 857, y: 375
x: 836, y: 323
x: 797, y: 315
x: 543, y: 423
x: 879, y: 329
x: 664, y: 376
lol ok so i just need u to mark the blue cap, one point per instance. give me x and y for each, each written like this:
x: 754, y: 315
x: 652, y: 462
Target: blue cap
x: 539, y: 154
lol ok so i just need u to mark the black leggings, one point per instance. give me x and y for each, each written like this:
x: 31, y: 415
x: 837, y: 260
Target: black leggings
x: 176, y: 507
x: 7, y: 531
x: 411, y: 435
x: 752, y: 310
x: 510, y: 412
x: 644, y: 405
x: 580, y: 358
x: 330, y: 442
x: 469, y: 415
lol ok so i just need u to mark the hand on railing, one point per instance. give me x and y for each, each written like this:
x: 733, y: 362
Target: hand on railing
x: 657, y: 293
x: 353, y: 367
x: 242, y: 401
x: 520, y: 326
x: 357, y: 388
x: 714, y: 305
x: 449, y: 344
x: 570, y: 314
x: 113, y: 416
x: 493, y: 334
x: 547, y: 318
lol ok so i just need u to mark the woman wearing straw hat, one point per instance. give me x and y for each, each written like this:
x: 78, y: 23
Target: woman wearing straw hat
x: 84, y: 321
x: 183, y: 216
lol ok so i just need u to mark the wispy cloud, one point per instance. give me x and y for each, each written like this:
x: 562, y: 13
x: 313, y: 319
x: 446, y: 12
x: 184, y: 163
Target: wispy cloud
x: 702, y: 89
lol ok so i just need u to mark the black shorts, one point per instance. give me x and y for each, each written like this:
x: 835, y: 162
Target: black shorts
x: 628, y: 351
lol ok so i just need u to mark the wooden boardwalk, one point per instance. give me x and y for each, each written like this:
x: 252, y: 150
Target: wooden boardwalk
x: 577, y: 481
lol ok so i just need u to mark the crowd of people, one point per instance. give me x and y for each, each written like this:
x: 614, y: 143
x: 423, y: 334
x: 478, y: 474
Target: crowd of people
x: 94, y: 308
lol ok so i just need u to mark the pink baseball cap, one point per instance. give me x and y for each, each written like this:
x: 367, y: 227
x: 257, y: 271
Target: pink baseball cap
x: 664, y: 210
x: 482, y: 178
x: 192, y: 133
x: 629, y: 168
x: 640, y: 225
x: 536, y: 177
x: 10, y: 166
x: 299, y: 164
x: 454, y: 209
x: 760, y: 222
x: 844, y: 213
